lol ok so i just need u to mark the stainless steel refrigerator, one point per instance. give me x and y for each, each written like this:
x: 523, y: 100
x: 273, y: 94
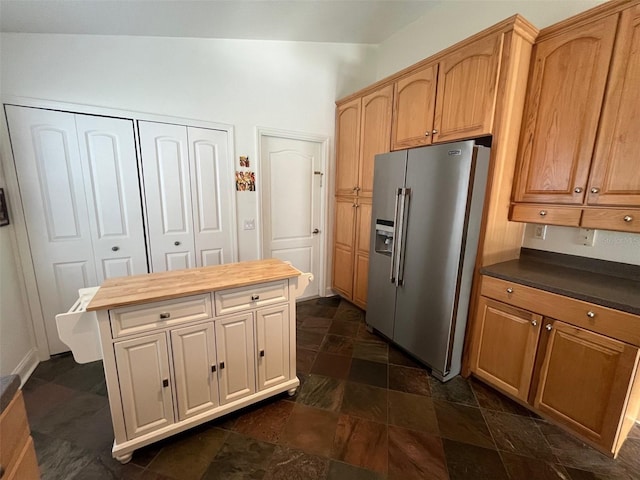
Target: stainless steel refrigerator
x: 426, y: 214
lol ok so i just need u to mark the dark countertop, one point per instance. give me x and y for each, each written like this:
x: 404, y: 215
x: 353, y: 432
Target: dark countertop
x: 610, y: 284
x: 9, y: 385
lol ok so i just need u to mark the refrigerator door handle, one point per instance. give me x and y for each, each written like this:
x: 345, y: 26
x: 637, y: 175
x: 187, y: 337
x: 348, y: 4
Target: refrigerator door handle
x: 400, y: 229
x: 392, y: 276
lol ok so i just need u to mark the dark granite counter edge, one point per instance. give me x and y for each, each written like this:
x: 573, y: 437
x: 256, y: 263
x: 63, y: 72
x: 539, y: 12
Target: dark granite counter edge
x: 9, y: 385
x: 604, y: 302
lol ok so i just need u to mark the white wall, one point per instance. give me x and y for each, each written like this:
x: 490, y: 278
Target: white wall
x: 284, y: 85
x: 449, y: 22
x: 17, y: 345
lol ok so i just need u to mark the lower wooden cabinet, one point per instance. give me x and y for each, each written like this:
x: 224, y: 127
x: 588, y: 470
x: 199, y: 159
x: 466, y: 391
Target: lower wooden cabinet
x: 533, y: 346
x: 17, y: 456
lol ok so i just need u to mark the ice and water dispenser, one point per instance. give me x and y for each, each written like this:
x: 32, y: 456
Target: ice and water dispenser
x: 384, y: 236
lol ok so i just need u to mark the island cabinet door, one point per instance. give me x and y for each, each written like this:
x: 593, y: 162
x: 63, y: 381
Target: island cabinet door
x: 195, y: 369
x: 504, y: 346
x: 235, y: 348
x: 272, y: 328
x: 585, y: 381
x: 143, y: 373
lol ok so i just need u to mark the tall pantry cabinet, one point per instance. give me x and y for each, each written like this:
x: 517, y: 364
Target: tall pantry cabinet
x: 81, y: 203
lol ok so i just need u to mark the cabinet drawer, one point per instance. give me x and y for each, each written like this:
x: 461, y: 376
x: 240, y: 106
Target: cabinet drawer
x: 547, y: 214
x: 606, y: 321
x: 150, y: 316
x: 238, y: 299
x: 626, y: 220
x: 14, y: 432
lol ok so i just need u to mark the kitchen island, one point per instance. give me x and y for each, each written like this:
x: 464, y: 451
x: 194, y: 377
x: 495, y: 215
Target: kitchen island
x: 184, y: 347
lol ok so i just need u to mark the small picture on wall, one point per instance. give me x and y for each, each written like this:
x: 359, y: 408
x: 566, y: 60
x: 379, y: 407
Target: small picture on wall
x: 245, y: 181
x: 244, y: 161
x: 4, y: 213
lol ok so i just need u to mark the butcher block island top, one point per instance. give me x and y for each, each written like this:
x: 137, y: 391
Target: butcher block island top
x: 122, y: 291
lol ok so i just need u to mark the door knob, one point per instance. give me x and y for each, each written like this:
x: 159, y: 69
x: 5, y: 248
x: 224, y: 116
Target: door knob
x: 115, y: 249
x: 434, y: 131
x: 176, y: 243
x: 426, y: 134
x: 315, y: 231
x: 548, y: 327
x: 534, y: 323
x: 627, y: 218
x: 578, y: 189
x: 595, y: 190
x: 543, y: 213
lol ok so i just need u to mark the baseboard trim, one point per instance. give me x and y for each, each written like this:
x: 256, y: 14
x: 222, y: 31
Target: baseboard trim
x: 26, y: 366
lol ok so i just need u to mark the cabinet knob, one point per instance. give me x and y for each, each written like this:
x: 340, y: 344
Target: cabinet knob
x: 578, y: 189
x: 549, y: 327
x: 213, y: 368
x: 595, y: 190
x: 221, y: 365
x: 176, y: 243
x: 354, y: 205
x: 591, y: 314
x: 262, y: 353
x: 509, y: 290
x: 354, y: 189
x: 255, y: 297
x: 543, y: 213
x: 358, y: 189
x: 426, y: 134
x: 534, y: 323
x: 434, y: 131
x: 115, y: 249
x: 627, y: 218
x: 165, y: 315
x: 165, y: 382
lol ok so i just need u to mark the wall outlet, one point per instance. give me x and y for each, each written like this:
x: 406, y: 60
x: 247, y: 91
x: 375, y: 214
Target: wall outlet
x: 586, y: 236
x: 250, y: 224
x: 540, y: 232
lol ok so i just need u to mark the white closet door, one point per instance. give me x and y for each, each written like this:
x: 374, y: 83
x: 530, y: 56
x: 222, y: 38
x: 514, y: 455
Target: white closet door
x: 108, y: 152
x: 165, y: 168
x: 211, y: 191
x: 48, y: 165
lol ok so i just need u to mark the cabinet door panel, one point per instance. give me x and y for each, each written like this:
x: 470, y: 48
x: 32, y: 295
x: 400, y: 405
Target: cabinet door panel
x: 505, y: 346
x: 194, y: 357
x: 467, y: 86
x: 143, y: 366
x: 108, y: 153
x: 361, y: 264
x: 344, y: 238
x: 375, y: 134
x: 615, y: 174
x: 272, y: 326
x: 563, y: 103
x: 584, y: 381
x: 413, y: 108
x: 236, y: 357
x: 49, y: 169
x: 347, y: 147
x: 165, y: 165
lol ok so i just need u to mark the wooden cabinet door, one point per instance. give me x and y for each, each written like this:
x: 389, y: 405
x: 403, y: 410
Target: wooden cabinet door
x: 343, y: 246
x: 504, y: 348
x: 375, y: 134
x: 272, y: 328
x: 615, y: 173
x: 194, y: 363
x: 467, y: 87
x: 235, y: 347
x: 145, y: 386
x: 361, y: 261
x: 562, y: 108
x: 347, y: 147
x: 585, y: 380
x: 414, y: 99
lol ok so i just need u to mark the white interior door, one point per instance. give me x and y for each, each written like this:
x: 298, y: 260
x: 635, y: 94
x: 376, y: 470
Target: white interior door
x: 291, y: 204
x: 165, y: 168
x: 211, y: 191
x: 108, y: 153
x: 48, y: 165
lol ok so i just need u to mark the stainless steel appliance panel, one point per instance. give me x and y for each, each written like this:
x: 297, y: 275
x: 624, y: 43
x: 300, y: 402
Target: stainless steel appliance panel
x: 438, y: 181
x: 389, y: 176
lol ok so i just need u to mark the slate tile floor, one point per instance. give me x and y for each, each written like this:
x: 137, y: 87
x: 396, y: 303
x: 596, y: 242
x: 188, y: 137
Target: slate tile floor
x: 364, y: 411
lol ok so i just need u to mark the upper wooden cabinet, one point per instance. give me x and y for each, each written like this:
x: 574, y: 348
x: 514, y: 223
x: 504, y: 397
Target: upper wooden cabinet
x: 363, y: 128
x: 580, y: 129
x: 449, y: 100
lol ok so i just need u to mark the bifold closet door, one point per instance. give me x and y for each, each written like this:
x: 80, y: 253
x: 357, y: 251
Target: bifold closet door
x: 79, y: 187
x: 187, y: 177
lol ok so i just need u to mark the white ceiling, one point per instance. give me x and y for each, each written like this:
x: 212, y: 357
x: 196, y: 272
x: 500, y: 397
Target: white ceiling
x: 350, y: 21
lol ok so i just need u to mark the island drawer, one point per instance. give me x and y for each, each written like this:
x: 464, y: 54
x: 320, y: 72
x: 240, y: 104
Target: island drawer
x: 604, y: 320
x: 150, y: 316
x: 243, y: 298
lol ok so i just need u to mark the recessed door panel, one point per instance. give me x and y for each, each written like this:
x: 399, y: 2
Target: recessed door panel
x: 273, y: 345
x: 236, y: 357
